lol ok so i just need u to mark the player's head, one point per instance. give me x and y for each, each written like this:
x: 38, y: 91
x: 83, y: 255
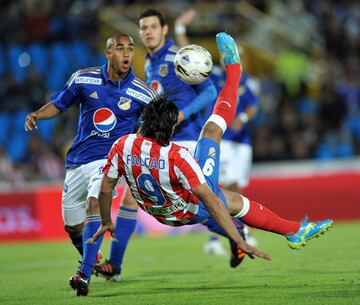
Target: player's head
x: 152, y: 29
x: 159, y: 119
x: 119, y: 52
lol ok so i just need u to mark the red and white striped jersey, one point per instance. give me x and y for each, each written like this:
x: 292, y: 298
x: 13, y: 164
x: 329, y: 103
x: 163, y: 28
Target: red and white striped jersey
x: 159, y: 177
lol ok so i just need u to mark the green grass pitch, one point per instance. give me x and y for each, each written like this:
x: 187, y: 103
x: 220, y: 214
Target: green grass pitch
x: 173, y: 270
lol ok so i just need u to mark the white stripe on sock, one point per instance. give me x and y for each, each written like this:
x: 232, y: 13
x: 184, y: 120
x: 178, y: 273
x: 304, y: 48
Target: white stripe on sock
x: 245, y: 209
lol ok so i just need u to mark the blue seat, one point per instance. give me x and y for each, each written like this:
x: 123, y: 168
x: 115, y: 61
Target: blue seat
x: 5, y: 127
x: 46, y: 129
x: 344, y: 150
x: 2, y: 60
x: 18, y: 120
x: 14, y: 52
x: 39, y: 58
x: 17, y: 145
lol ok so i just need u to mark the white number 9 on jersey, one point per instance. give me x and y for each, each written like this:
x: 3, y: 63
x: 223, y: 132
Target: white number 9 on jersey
x: 208, y: 167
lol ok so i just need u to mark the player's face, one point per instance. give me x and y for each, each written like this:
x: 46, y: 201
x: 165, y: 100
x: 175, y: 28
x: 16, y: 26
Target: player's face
x: 151, y: 32
x: 120, y: 56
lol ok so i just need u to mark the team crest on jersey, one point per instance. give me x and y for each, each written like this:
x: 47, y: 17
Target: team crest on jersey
x: 124, y: 103
x: 212, y: 152
x: 163, y: 70
x: 104, y: 120
x: 156, y: 85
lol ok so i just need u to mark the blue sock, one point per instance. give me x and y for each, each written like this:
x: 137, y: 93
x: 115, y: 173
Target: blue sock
x: 90, y: 249
x: 124, y: 227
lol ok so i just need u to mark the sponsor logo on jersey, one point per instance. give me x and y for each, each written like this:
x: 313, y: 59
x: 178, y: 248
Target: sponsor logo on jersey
x: 163, y: 70
x: 154, y: 210
x: 170, y: 57
x: 156, y: 85
x: 88, y: 80
x: 138, y: 95
x: 104, y: 120
x: 212, y: 152
x: 94, y: 95
x: 124, y: 103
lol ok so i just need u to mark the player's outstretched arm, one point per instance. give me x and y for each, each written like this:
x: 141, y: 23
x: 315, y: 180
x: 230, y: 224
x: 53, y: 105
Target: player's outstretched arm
x: 105, y: 200
x: 48, y: 111
x: 218, y: 211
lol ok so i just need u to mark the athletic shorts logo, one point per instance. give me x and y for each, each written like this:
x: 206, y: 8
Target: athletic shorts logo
x: 156, y: 85
x: 104, y: 120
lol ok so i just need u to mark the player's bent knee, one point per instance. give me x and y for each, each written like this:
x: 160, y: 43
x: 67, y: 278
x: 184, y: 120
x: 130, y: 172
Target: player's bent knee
x: 234, y: 201
x: 128, y: 201
x: 92, y: 207
x: 212, y: 131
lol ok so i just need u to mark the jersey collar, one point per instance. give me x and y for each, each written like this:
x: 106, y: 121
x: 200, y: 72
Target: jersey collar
x: 162, y: 51
x: 123, y: 82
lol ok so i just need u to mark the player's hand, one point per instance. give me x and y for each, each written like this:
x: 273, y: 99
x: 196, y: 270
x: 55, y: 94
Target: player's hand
x: 252, y: 252
x: 103, y: 228
x: 236, y: 124
x: 186, y: 18
x: 181, y: 117
x: 30, y: 121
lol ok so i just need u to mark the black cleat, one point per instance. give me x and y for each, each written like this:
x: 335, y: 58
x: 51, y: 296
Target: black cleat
x: 237, y: 256
x: 108, y: 271
x: 80, y: 283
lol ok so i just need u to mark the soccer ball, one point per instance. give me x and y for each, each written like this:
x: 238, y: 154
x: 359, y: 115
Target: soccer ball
x: 193, y: 64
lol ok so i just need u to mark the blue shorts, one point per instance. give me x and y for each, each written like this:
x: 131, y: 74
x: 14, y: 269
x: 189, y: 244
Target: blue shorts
x: 207, y: 153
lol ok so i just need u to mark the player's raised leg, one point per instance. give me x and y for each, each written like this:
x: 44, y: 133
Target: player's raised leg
x: 258, y: 216
x: 207, y: 150
x: 225, y: 106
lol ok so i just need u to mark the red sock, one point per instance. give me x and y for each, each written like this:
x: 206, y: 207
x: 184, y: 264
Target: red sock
x: 262, y: 218
x: 226, y: 102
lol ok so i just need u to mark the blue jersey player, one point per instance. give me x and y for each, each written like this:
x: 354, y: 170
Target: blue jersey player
x: 111, y: 99
x: 190, y: 100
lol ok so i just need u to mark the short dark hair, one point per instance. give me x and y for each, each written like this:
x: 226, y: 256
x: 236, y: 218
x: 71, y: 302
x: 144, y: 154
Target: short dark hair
x: 149, y: 12
x: 158, y: 120
x: 112, y: 39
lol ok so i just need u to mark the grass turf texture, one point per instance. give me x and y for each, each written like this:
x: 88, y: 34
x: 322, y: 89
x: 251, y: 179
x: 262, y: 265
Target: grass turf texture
x: 173, y: 270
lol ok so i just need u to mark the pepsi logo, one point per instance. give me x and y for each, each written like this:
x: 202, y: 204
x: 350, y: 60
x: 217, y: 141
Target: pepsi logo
x: 156, y: 85
x: 104, y: 120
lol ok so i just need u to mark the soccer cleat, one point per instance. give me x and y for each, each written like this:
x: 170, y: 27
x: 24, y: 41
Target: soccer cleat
x: 80, y: 283
x: 307, y: 231
x: 237, y: 255
x: 108, y: 271
x: 227, y: 48
x: 214, y: 247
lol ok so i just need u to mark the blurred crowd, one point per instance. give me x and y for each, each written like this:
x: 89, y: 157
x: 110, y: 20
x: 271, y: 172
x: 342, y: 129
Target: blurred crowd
x: 304, y: 112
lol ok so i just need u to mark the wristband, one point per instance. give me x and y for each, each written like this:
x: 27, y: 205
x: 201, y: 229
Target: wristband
x: 180, y: 28
x: 244, y: 118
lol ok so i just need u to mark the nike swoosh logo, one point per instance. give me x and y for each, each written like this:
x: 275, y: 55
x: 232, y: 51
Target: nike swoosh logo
x: 224, y: 102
